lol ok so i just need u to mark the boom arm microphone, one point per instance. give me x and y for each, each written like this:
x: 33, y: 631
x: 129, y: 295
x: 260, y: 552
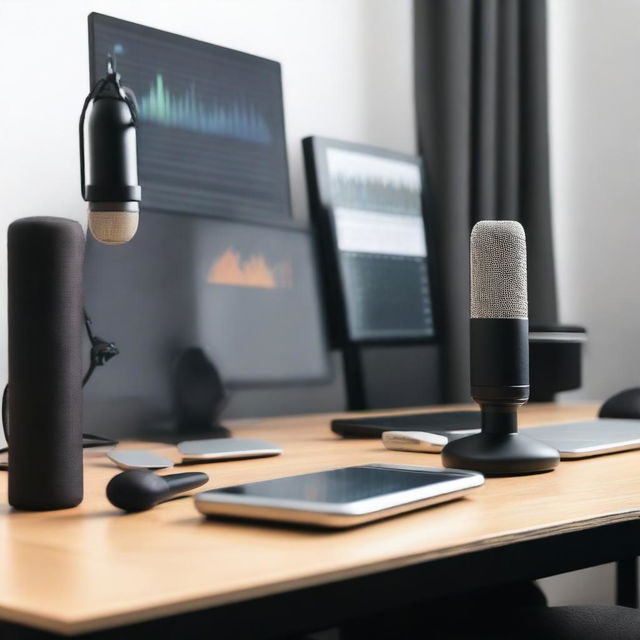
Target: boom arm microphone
x: 499, y: 343
x: 108, y: 142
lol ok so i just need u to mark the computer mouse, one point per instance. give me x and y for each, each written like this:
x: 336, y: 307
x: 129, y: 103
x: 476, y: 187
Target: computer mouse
x: 625, y: 404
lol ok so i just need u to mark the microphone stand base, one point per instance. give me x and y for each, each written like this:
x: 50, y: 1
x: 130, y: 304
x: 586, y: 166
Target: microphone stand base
x: 500, y: 454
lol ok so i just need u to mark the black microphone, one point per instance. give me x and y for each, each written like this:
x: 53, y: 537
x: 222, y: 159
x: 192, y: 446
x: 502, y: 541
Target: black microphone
x: 108, y: 143
x: 139, y: 490
x: 499, y: 342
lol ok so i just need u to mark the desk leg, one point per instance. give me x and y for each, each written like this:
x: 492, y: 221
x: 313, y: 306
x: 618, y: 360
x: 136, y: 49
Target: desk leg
x: 354, y: 378
x: 627, y: 582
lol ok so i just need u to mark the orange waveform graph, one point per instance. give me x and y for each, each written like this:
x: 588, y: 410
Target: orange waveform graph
x: 231, y: 270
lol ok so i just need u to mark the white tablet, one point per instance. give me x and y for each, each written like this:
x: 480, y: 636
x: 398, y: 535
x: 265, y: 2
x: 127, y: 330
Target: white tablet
x: 340, y: 497
x: 214, y: 449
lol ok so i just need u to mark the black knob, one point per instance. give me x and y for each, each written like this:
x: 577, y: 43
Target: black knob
x: 139, y: 490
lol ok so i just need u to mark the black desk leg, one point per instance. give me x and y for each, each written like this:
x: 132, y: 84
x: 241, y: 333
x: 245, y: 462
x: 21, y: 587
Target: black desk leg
x: 354, y: 377
x: 627, y: 582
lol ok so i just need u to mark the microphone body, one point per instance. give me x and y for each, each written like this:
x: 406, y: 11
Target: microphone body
x: 500, y: 360
x: 499, y: 351
x: 108, y: 148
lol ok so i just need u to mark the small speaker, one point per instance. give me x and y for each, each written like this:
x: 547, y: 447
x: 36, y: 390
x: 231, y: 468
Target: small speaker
x: 45, y: 258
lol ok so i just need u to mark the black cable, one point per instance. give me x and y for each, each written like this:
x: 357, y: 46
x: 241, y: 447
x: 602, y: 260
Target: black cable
x: 5, y: 412
x: 101, y: 352
x: 88, y: 374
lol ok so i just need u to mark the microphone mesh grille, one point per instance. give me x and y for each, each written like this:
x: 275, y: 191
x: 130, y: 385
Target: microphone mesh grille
x: 113, y: 227
x: 498, y: 270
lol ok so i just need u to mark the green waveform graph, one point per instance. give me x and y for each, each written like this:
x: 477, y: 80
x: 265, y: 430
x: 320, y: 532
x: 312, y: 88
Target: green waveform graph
x: 240, y: 120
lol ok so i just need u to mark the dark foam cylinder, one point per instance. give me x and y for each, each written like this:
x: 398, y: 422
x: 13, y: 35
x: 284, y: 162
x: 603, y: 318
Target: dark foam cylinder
x: 45, y: 258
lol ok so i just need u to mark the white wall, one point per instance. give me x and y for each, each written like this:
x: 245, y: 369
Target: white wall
x: 594, y: 52
x: 347, y: 73
x: 595, y: 153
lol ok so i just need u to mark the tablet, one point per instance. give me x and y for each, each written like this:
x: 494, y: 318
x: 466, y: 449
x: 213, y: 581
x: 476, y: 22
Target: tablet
x: 340, y: 497
x: 218, y: 449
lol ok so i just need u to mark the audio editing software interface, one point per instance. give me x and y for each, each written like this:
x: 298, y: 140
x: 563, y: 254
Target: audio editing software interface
x: 377, y: 216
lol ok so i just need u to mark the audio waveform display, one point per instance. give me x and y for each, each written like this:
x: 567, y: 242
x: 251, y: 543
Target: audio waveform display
x: 231, y: 270
x: 240, y: 120
x: 377, y: 211
x: 361, y: 180
x: 375, y: 195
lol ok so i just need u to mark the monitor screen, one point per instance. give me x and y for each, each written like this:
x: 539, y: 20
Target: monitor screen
x: 217, y: 262
x: 211, y: 132
x: 368, y: 206
x: 246, y: 294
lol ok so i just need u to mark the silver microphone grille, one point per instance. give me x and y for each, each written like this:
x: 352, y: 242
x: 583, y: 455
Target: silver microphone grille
x: 498, y: 270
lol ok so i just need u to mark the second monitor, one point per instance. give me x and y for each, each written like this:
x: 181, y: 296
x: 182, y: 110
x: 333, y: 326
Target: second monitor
x: 367, y: 204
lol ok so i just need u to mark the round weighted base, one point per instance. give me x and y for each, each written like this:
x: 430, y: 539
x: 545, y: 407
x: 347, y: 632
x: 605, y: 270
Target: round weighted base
x: 500, y: 454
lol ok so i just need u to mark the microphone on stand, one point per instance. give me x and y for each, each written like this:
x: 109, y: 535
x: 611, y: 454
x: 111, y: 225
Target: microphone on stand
x: 499, y: 343
x: 108, y: 142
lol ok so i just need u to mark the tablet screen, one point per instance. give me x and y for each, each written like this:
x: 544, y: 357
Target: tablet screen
x: 343, y: 485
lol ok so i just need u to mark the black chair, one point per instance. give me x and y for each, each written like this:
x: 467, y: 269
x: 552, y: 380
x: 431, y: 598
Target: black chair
x: 501, y: 613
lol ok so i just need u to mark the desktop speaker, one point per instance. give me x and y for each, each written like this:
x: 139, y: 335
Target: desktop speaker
x: 45, y: 257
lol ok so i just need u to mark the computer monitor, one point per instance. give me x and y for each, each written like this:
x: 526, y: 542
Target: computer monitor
x: 367, y: 204
x: 211, y: 132
x: 218, y: 261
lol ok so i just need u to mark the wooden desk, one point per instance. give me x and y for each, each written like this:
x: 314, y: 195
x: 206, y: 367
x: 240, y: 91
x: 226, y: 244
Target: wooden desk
x: 92, y: 567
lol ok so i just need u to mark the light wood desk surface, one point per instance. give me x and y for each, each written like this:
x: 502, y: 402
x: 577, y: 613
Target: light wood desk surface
x: 93, y: 567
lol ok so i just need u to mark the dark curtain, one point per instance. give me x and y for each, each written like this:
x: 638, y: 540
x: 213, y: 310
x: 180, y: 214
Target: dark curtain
x: 481, y: 100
